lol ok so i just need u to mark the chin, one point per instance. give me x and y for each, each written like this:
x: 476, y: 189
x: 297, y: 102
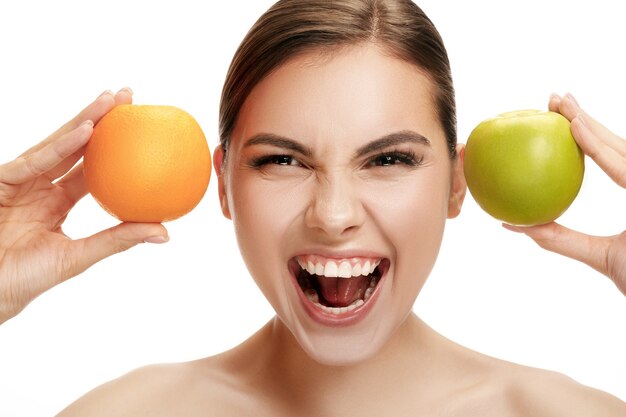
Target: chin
x: 341, y: 350
x: 346, y: 345
x: 344, y: 337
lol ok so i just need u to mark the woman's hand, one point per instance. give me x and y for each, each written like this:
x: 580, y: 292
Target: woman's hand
x: 605, y: 254
x: 37, y: 190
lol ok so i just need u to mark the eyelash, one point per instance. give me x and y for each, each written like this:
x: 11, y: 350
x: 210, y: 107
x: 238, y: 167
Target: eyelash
x: 271, y: 159
x: 383, y: 159
x: 390, y: 158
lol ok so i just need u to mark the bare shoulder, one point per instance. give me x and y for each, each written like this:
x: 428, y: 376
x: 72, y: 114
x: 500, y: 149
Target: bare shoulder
x: 535, y: 392
x: 182, y: 389
x: 507, y: 389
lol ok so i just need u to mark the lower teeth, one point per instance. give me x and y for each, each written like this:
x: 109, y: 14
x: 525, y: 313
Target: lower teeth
x: 336, y: 310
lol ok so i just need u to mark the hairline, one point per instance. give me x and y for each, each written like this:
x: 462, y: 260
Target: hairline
x: 325, y: 53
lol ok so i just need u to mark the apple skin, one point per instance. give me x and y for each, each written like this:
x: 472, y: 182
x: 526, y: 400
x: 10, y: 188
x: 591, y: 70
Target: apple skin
x: 524, y: 167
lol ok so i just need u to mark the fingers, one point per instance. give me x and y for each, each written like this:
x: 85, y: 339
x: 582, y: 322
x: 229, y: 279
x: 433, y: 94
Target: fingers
x: 57, y: 154
x: 74, y: 184
x: 29, y: 166
x: 569, y: 107
x: 604, y: 155
x: 124, y: 96
x: 591, y: 250
x: 65, y: 165
x: 94, y: 112
x: 606, y: 148
x: 124, y: 236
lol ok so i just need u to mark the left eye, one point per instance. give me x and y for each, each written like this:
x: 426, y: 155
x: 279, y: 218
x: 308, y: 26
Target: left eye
x: 390, y: 159
x: 282, y: 160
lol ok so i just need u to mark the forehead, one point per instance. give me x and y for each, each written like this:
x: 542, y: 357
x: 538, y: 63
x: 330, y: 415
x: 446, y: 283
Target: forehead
x: 356, y: 92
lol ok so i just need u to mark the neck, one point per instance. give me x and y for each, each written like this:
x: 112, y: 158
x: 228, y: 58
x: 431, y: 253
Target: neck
x: 405, y: 362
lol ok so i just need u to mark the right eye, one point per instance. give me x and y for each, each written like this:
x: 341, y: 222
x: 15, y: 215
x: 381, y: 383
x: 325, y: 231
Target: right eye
x: 285, y: 160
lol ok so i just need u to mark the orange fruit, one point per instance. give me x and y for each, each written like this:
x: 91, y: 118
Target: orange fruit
x: 147, y: 163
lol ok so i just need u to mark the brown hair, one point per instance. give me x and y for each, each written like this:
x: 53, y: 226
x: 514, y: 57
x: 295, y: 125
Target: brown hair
x: 291, y: 27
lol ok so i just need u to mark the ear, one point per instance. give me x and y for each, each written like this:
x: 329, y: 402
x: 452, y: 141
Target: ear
x: 218, y: 165
x: 458, y: 185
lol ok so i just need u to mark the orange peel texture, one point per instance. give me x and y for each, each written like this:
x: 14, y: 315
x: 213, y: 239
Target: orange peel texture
x: 147, y: 163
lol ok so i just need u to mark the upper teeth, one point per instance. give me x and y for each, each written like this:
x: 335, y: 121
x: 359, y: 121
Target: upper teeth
x: 342, y: 268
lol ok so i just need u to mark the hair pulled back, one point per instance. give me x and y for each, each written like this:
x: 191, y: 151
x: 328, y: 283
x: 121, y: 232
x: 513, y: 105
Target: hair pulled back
x: 291, y: 27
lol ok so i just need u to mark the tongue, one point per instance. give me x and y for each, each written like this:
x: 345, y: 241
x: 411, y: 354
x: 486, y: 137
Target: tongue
x: 341, y: 292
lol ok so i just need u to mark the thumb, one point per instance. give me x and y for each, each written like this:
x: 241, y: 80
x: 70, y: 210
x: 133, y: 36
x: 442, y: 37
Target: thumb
x: 115, y: 240
x: 591, y: 250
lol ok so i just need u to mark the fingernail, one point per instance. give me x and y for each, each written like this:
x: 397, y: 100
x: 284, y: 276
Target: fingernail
x: 106, y: 92
x: 571, y: 97
x: 127, y: 90
x: 555, y: 96
x: 156, y: 239
x: 87, y: 123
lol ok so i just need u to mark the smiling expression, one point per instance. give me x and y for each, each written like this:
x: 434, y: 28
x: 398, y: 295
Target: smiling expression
x: 338, y: 180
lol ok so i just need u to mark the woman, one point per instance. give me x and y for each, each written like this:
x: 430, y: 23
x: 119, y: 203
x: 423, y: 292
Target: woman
x: 337, y: 145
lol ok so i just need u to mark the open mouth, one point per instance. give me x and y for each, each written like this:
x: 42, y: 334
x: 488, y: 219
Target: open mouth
x: 338, y: 286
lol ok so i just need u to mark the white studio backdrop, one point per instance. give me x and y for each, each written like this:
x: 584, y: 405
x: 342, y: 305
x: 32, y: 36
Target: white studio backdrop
x: 492, y: 290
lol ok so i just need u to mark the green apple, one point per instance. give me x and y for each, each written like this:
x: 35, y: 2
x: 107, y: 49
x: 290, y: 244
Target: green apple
x: 524, y: 167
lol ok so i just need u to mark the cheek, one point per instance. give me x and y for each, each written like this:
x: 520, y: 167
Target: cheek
x: 405, y: 217
x: 412, y: 217
x: 411, y: 209
x: 262, y: 216
x: 264, y: 210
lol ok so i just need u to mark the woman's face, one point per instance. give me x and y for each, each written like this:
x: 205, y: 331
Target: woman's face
x: 339, y: 182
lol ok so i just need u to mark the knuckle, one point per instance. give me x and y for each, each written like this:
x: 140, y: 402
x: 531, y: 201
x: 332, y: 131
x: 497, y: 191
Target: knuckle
x: 7, y: 193
x: 118, y: 243
x: 620, y: 177
x: 67, y: 265
x: 616, y: 262
x: 31, y: 164
x: 6, y: 190
x: 616, y: 171
x: 545, y: 244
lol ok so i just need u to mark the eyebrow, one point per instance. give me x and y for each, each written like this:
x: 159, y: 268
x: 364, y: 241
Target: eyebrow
x: 392, y: 139
x: 279, y: 142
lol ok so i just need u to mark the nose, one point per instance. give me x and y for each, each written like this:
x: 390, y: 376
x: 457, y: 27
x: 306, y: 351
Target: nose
x: 335, y: 208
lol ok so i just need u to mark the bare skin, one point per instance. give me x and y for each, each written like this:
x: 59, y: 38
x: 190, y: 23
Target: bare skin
x: 605, y: 254
x: 419, y: 373
x: 37, y: 191
x: 294, y: 366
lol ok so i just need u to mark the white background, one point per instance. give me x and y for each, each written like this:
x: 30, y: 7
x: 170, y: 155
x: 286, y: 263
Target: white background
x: 492, y: 290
